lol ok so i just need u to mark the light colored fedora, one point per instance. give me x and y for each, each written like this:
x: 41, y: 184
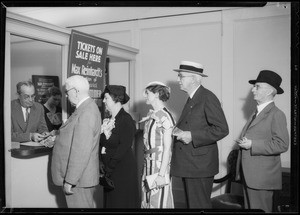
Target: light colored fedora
x: 188, y: 66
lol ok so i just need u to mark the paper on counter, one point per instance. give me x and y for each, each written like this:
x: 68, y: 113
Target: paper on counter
x: 31, y: 143
x: 15, y: 145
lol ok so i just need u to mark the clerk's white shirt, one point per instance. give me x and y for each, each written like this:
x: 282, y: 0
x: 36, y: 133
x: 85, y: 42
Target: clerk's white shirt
x: 24, y: 112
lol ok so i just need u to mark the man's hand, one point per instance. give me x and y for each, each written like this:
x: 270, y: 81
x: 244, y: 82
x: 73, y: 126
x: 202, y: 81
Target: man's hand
x: 185, y: 137
x: 36, y: 137
x: 46, y: 134
x: 54, y: 132
x: 245, y: 143
x: 67, y: 188
x: 48, y: 142
x: 160, y: 181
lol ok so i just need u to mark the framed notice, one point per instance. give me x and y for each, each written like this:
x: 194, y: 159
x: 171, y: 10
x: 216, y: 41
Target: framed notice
x: 42, y: 83
x: 87, y: 57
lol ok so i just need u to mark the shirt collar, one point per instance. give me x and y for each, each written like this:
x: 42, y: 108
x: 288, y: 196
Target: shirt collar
x: 81, y: 101
x: 24, y: 109
x: 193, y: 93
x: 262, y: 106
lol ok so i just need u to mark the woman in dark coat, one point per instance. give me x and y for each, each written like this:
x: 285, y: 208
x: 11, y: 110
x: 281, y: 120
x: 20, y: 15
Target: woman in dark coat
x: 53, y: 110
x: 117, y: 159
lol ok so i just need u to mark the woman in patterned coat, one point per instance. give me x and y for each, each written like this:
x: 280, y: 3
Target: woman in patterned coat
x: 158, y: 144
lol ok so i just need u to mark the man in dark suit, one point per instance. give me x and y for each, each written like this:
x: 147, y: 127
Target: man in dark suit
x: 202, y: 123
x: 75, y: 156
x: 263, y: 139
x: 27, y: 116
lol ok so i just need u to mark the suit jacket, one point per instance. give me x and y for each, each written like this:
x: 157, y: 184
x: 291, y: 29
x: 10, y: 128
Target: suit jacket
x: 261, y: 164
x: 204, y: 117
x: 20, y: 131
x: 75, y: 157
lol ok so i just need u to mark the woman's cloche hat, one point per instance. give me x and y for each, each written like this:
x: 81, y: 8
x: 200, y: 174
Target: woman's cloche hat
x: 269, y: 77
x: 153, y: 83
x: 188, y: 66
x: 116, y: 90
x: 158, y: 83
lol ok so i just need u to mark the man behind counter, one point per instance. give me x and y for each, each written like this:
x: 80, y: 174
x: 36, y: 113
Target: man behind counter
x: 27, y: 116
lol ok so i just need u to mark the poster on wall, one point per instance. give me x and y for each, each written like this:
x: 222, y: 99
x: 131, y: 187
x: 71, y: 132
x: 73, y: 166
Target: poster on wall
x: 87, y: 57
x: 42, y: 83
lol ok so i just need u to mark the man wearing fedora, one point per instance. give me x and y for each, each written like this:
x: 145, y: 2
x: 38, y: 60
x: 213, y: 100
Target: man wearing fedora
x: 202, y: 123
x: 263, y: 139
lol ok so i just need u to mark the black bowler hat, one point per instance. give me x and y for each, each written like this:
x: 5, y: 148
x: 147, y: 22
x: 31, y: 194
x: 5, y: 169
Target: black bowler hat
x: 270, y: 77
x: 118, y: 91
x: 188, y: 66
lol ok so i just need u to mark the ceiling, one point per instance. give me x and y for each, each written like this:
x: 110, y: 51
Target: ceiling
x: 75, y: 16
x: 78, y: 16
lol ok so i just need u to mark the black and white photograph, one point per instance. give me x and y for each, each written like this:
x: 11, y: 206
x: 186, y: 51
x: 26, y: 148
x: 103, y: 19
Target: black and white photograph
x: 149, y: 107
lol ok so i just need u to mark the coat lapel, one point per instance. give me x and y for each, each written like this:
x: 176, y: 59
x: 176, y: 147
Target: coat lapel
x: 77, y: 111
x: 73, y: 115
x: 246, y: 127
x: 184, y: 112
x: 19, y: 116
x: 263, y: 114
x: 189, y: 105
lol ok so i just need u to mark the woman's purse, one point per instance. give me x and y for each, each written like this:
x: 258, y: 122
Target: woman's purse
x: 148, y: 182
x: 106, y: 182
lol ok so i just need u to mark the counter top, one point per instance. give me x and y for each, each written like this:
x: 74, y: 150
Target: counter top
x: 25, y: 151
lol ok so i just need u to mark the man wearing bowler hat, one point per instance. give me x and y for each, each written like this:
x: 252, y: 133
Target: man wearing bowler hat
x: 263, y: 139
x: 202, y: 123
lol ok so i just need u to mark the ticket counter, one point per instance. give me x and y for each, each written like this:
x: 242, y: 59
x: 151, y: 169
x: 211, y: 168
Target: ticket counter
x: 31, y: 184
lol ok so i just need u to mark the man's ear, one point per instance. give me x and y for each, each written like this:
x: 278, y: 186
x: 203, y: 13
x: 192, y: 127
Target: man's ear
x: 157, y: 94
x: 270, y: 91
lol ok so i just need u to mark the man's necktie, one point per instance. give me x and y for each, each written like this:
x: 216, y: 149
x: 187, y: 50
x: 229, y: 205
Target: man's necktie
x: 253, y: 117
x: 27, y: 115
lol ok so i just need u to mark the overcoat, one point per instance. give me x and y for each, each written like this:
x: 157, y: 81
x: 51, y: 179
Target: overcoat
x: 75, y: 156
x: 120, y: 163
x: 262, y: 164
x: 204, y: 117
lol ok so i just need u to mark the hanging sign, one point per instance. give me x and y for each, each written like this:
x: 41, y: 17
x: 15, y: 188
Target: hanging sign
x: 87, y: 57
x: 41, y: 84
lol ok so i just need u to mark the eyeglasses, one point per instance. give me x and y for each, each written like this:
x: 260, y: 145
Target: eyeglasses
x: 66, y: 91
x: 257, y: 87
x: 27, y: 97
x: 183, y: 76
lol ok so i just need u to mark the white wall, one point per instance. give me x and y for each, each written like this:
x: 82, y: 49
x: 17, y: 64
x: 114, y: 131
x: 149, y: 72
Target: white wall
x: 233, y: 45
x: 119, y: 75
x: 34, y: 58
x: 261, y: 42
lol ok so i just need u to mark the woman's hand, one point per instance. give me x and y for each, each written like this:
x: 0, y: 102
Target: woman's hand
x: 160, y: 181
x: 102, y: 170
